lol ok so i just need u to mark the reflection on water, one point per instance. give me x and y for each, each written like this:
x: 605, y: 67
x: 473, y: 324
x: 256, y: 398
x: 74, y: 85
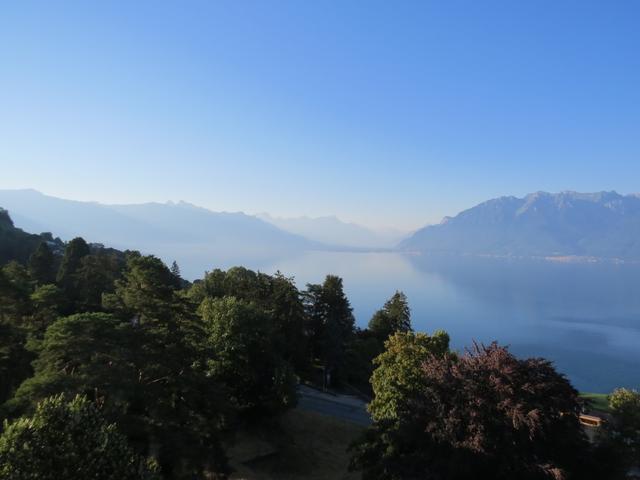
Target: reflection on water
x: 584, y: 317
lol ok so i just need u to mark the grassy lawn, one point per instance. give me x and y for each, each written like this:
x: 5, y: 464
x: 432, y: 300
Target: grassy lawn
x: 599, y: 401
x: 306, y: 445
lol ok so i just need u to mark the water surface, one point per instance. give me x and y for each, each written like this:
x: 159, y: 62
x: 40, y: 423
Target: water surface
x: 584, y: 317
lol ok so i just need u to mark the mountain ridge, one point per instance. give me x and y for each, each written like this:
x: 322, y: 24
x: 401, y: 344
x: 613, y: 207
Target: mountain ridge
x: 601, y: 224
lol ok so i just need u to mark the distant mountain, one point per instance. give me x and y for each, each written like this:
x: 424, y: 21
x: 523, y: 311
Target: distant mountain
x: 331, y: 230
x: 604, y: 225
x: 198, y: 238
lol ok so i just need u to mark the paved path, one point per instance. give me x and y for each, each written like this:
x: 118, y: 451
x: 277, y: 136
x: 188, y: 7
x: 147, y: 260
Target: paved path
x: 344, y: 407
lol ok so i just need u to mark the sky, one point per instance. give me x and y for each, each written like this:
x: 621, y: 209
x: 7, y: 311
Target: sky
x: 382, y: 113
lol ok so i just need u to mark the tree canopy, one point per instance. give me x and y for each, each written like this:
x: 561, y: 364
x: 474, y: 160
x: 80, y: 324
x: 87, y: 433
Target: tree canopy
x: 485, y: 414
x: 70, y: 440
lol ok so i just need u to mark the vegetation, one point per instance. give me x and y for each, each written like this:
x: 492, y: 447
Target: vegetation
x: 485, y: 414
x: 110, y: 358
x: 70, y: 440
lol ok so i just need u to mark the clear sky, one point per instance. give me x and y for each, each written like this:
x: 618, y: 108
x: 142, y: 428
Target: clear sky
x: 382, y: 112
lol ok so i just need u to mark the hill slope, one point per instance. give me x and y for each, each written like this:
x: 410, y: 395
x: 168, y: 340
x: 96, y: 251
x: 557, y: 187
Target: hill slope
x: 605, y: 225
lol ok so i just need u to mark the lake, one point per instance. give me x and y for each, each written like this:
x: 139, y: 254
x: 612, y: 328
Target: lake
x: 584, y: 317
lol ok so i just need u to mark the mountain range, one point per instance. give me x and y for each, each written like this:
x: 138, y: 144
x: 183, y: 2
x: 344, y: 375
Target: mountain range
x: 330, y: 230
x: 196, y: 237
x: 602, y: 225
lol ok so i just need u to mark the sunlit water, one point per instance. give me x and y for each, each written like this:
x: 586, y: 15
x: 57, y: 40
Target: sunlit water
x: 584, y: 317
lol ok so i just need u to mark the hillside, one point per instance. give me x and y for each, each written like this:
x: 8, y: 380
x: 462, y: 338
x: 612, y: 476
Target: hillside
x: 603, y: 225
x: 15, y: 244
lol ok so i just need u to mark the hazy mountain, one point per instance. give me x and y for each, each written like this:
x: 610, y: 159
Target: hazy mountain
x: 331, y: 230
x: 603, y: 224
x: 198, y: 238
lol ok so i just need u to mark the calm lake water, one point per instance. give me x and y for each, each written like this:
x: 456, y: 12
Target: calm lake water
x: 584, y: 317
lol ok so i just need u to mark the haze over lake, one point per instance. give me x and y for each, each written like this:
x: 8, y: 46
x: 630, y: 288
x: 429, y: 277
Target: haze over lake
x: 584, y: 317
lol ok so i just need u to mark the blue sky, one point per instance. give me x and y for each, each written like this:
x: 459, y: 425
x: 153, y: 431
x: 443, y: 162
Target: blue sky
x: 384, y: 113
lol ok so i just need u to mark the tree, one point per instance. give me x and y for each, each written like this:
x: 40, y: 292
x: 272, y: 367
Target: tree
x: 485, y: 414
x: 69, y: 440
x: 246, y: 359
x: 331, y: 323
x: 175, y: 270
x: 178, y: 407
x: 47, y: 301
x: 14, y: 293
x: 625, y: 430
x: 74, y: 252
x: 399, y: 372
x: 83, y: 354
x: 41, y: 265
x: 66, y: 278
x: 14, y: 359
x: 395, y: 316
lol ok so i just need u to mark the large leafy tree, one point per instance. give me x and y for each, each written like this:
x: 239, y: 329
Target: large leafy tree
x: 70, y: 440
x: 246, y: 357
x: 399, y: 370
x: 394, y: 316
x: 485, y: 414
x: 331, y: 324
x: 276, y: 295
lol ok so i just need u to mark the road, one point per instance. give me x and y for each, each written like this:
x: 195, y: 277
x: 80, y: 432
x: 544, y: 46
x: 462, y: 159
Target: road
x: 345, y: 407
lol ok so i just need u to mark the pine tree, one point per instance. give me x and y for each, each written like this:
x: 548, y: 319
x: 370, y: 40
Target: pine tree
x: 41, y: 265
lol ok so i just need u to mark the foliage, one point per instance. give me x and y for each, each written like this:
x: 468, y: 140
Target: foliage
x: 42, y: 265
x: 625, y: 432
x: 246, y: 358
x: 69, y: 440
x: 395, y: 316
x: 399, y: 370
x: 331, y: 324
x: 47, y: 301
x: 14, y: 243
x: 14, y: 359
x: 177, y: 407
x: 276, y: 295
x: 485, y: 414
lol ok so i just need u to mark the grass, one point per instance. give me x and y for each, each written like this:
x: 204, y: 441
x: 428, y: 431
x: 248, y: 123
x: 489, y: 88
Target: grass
x: 305, y: 445
x: 599, y: 401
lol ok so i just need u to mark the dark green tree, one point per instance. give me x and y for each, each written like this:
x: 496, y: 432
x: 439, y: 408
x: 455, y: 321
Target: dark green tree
x: 75, y: 250
x: 86, y: 354
x: 15, y: 360
x: 66, y: 278
x: 47, y: 301
x: 180, y: 407
x: 246, y: 358
x: 41, y: 265
x: 395, y: 316
x: 331, y: 324
x: 69, y: 440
